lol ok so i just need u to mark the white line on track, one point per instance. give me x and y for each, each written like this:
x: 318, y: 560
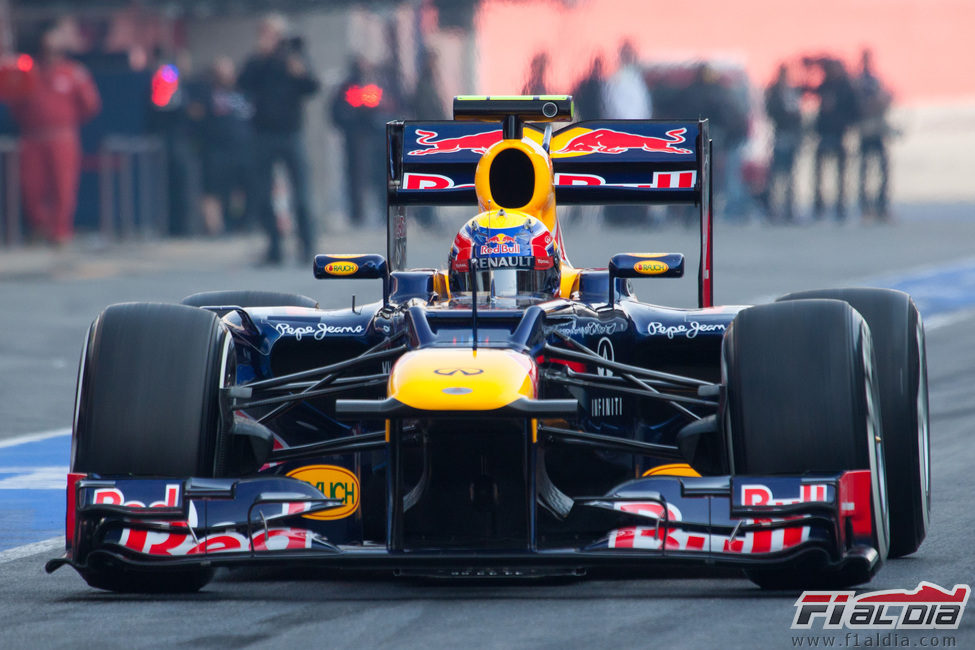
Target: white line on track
x: 34, y: 437
x: 920, y: 272
x: 47, y: 545
x: 27, y: 550
x: 944, y: 320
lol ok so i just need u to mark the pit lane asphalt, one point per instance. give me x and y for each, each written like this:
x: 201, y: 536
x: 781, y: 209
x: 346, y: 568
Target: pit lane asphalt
x: 46, y: 308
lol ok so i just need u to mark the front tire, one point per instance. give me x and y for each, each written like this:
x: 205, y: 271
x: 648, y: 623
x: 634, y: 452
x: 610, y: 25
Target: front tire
x: 802, y: 397
x: 898, y: 340
x: 148, y: 404
x: 244, y: 298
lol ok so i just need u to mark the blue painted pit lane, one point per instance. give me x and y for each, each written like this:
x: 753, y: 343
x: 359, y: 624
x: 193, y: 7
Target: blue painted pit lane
x: 33, y: 476
x: 940, y: 291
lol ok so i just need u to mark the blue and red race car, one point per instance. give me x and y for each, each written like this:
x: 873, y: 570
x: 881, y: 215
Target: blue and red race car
x: 509, y: 415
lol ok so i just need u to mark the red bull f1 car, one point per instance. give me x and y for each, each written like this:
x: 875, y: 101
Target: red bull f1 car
x: 510, y: 414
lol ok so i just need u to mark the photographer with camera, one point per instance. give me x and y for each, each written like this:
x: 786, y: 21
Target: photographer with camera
x: 277, y: 80
x: 838, y: 113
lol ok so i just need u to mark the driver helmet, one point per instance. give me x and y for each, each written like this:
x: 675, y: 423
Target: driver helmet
x: 507, y: 254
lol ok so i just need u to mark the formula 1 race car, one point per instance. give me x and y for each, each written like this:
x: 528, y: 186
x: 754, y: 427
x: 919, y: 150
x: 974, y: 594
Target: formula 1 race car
x: 510, y: 415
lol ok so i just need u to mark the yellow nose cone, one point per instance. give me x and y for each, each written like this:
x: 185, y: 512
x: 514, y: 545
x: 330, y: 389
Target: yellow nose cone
x: 462, y: 379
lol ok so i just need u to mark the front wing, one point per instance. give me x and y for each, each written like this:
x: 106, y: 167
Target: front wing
x: 732, y: 521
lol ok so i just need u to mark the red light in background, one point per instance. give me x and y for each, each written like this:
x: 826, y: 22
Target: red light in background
x: 353, y: 96
x: 25, y: 63
x: 372, y: 95
x: 368, y: 96
x: 165, y: 83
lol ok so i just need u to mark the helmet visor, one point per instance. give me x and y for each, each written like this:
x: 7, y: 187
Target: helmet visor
x: 508, y: 283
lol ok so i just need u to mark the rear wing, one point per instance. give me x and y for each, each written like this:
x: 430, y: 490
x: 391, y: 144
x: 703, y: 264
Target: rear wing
x: 594, y: 163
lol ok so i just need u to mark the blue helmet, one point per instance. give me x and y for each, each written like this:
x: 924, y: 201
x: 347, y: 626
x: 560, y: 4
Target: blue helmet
x: 509, y: 254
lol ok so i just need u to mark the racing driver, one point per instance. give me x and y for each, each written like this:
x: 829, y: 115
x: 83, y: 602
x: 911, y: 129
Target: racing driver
x: 506, y: 256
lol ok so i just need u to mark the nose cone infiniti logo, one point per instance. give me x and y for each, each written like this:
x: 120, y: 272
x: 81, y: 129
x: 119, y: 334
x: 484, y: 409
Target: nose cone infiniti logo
x: 467, y: 372
x: 605, y: 350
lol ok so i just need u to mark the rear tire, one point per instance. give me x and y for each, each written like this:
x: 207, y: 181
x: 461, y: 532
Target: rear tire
x: 898, y: 340
x: 801, y: 397
x: 249, y: 299
x: 148, y: 404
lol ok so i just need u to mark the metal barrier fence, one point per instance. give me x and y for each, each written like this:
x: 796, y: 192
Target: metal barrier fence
x: 133, y: 198
x: 10, y: 225
x: 132, y: 182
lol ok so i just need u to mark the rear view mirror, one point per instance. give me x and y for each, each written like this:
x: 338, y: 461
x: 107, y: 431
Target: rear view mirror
x: 644, y: 265
x: 354, y: 267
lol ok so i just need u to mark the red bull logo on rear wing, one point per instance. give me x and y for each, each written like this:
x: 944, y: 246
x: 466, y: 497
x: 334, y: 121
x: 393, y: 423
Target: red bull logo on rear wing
x: 613, y: 161
x: 432, y: 142
x: 671, y: 180
x: 643, y: 140
x: 582, y: 142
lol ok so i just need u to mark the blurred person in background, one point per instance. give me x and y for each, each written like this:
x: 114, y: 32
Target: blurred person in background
x: 708, y: 96
x: 626, y: 97
x: 394, y: 101
x: 587, y: 98
x: 427, y: 104
x: 874, y: 100
x: 838, y: 112
x: 537, y: 84
x: 224, y: 117
x: 59, y: 97
x: 625, y: 94
x: 170, y: 118
x: 427, y: 94
x: 277, y: 80
x: 360, y: 109
x: 782, y: 106
x: 588, y: 95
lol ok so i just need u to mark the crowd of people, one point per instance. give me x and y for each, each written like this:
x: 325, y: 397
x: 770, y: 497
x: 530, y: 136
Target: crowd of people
x: 672, y: 91
x: 225, y: 132
x: 822, y: 112
x: 252, y: 121
x: 845, y: 104
x: 237, y: 125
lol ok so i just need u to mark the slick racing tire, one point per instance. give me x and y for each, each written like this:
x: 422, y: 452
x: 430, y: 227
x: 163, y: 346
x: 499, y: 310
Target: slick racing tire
x: 898, y: 341
x: 148, y: 392
x: 148, y: 404
x: 248, y: 299
x: 801, y: 397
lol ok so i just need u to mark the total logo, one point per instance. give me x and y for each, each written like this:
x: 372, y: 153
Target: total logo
x: 927, y: 607
x: 335, y: 483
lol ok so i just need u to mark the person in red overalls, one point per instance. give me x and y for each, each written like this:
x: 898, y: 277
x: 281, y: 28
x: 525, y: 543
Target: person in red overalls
x: 59, y: 98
